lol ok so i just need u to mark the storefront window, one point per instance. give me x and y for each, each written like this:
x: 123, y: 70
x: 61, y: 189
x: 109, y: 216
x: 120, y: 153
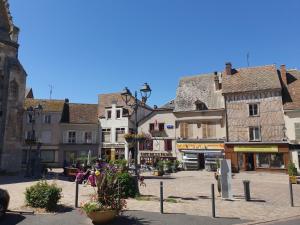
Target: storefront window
x: 276, y: 160
x: 264, y: 160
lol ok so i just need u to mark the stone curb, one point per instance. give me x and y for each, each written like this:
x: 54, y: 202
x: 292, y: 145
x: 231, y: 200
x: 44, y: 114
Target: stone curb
x: 271, y: 221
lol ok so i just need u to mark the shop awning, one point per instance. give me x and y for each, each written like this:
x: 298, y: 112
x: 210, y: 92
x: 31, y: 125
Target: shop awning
x: 200, y: 146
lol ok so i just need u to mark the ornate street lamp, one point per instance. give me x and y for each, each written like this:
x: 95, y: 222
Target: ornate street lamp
x: 145, y: 92
x: 33, y: 113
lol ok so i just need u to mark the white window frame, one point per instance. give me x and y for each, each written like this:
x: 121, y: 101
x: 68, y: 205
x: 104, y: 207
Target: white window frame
x: 258, y: 111
x: 86, y: 140
x: 120, y: 129
x: 68, y: 137
x: 120, y: 110
x: 104, y: 130
x: 106, y: 114
x: 259, y: 131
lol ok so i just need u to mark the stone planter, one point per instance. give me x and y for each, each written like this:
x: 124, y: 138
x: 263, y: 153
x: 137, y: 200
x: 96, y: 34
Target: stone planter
x: 102, y: 217
x: 158, y: 173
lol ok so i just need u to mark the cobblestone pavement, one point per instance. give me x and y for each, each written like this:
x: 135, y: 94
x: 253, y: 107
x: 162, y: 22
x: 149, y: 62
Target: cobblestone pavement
x: 269, y: 192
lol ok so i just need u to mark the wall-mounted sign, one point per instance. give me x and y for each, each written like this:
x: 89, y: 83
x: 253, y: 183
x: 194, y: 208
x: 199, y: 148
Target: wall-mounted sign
x: 256, y: 148
x: 185, y: 146
x: 170, y: 126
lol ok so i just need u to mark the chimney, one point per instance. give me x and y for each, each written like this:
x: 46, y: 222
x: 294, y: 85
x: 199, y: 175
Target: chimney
x: 216, y: 79
x: 283, y: 74
x: 228, y: 68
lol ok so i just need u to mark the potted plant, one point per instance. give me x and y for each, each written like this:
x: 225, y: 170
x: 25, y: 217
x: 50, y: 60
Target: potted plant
x: 292, y: 171
x: 107, y: 202
x: 129, y: 137
x: 168, y: 166
x: 159, y: 171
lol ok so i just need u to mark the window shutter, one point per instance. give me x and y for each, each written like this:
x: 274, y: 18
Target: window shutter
x: 204, y: 130
x: 297, y: 131
x: 190, y: 132
x: 65, y: 137
x: 79, y: 137
x: 182, y: 130
x: 211, y: 130
x: 94, y: 137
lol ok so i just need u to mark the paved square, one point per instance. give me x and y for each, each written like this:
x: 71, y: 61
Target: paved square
x: 269, y: 192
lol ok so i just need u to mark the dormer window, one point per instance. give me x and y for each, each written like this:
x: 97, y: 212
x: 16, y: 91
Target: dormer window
x: 200, y: 106
x: 108, y: 114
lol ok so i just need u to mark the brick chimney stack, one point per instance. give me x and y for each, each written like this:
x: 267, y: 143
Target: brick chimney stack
x: 283, y: 74
x: 228, y: 68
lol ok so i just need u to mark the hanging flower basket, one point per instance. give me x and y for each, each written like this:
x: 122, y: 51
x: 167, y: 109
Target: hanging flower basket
x: 129, y: 138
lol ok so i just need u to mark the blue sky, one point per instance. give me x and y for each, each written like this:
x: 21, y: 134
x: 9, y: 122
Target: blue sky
x: 84, y: 48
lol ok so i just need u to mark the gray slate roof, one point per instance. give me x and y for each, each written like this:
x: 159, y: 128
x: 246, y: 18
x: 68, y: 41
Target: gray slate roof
x: 251, y: 79
x: 168, y: 105
x: 198, y: 88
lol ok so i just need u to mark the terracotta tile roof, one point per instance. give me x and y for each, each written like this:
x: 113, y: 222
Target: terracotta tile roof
x: 48, y: 105
x: 83, y: 113
x: 106, y: 101
x: 198, y: 88
x: 251, y: 79
x: 291, y: 92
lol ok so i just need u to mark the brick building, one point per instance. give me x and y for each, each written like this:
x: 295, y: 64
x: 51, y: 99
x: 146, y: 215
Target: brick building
x: 255, y: 121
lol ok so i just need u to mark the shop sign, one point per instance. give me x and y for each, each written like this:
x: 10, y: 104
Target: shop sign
x: 256, y: 148
x: 201, y: 146
x: 170, y: 126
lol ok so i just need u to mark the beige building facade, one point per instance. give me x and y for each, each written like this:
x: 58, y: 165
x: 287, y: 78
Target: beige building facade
x: 160, y: 130
x: 200, y: 127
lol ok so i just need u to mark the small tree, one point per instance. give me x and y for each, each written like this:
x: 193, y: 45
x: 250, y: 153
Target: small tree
x: 292, y: 170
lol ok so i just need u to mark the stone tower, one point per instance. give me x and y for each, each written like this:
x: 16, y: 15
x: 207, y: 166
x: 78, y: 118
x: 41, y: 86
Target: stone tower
x: 12, y: 93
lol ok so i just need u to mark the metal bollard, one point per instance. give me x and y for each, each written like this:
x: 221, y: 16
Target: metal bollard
x: 161, y: 198
x: 213, y: 203
x: 76, y: 194
x: 247, y: 190
x: 291, y: 193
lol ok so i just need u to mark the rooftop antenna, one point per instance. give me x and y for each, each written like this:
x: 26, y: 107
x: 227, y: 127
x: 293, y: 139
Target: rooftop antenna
x: 51, y: 90
x: 248, y: 59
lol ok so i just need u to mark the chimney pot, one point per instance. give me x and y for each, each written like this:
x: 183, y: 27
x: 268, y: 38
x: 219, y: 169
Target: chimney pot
x: 283, y: 74
x: 228, y: 68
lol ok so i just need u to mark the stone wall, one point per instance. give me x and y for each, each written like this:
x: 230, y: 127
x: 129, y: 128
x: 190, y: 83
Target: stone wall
x: 270, y: 119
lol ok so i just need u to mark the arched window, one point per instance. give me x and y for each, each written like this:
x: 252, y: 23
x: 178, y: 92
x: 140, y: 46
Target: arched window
x: 200, y: 105
x: 14, y: 89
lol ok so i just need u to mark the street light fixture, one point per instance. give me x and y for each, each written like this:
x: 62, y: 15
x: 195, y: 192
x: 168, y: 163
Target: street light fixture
x: 126, y: 95
x: 33, y: 112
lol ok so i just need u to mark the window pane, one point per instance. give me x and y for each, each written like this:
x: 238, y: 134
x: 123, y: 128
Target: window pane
x: 263, y: 160
x: 161, y: 127
x: 250, y: 110
x: 118, y: 114
x: 251, y: 134
x: 48, y: 156
x: 257, y: 133
x: 276, y: 161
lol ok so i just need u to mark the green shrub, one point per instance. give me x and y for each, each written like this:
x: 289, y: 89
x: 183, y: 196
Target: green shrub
x: 292, y: 170
x: 43, y: 195
x: 127, y: 185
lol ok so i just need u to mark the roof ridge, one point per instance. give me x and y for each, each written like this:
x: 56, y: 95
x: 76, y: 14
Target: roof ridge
x: 83, y: 104
x: 41, y: 99
x: 197, y: 75
x: 255, y: 67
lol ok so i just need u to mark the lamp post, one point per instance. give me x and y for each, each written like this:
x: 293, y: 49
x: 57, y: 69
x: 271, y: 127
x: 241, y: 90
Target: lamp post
x: 33, y: 112
x: 145, y: 92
